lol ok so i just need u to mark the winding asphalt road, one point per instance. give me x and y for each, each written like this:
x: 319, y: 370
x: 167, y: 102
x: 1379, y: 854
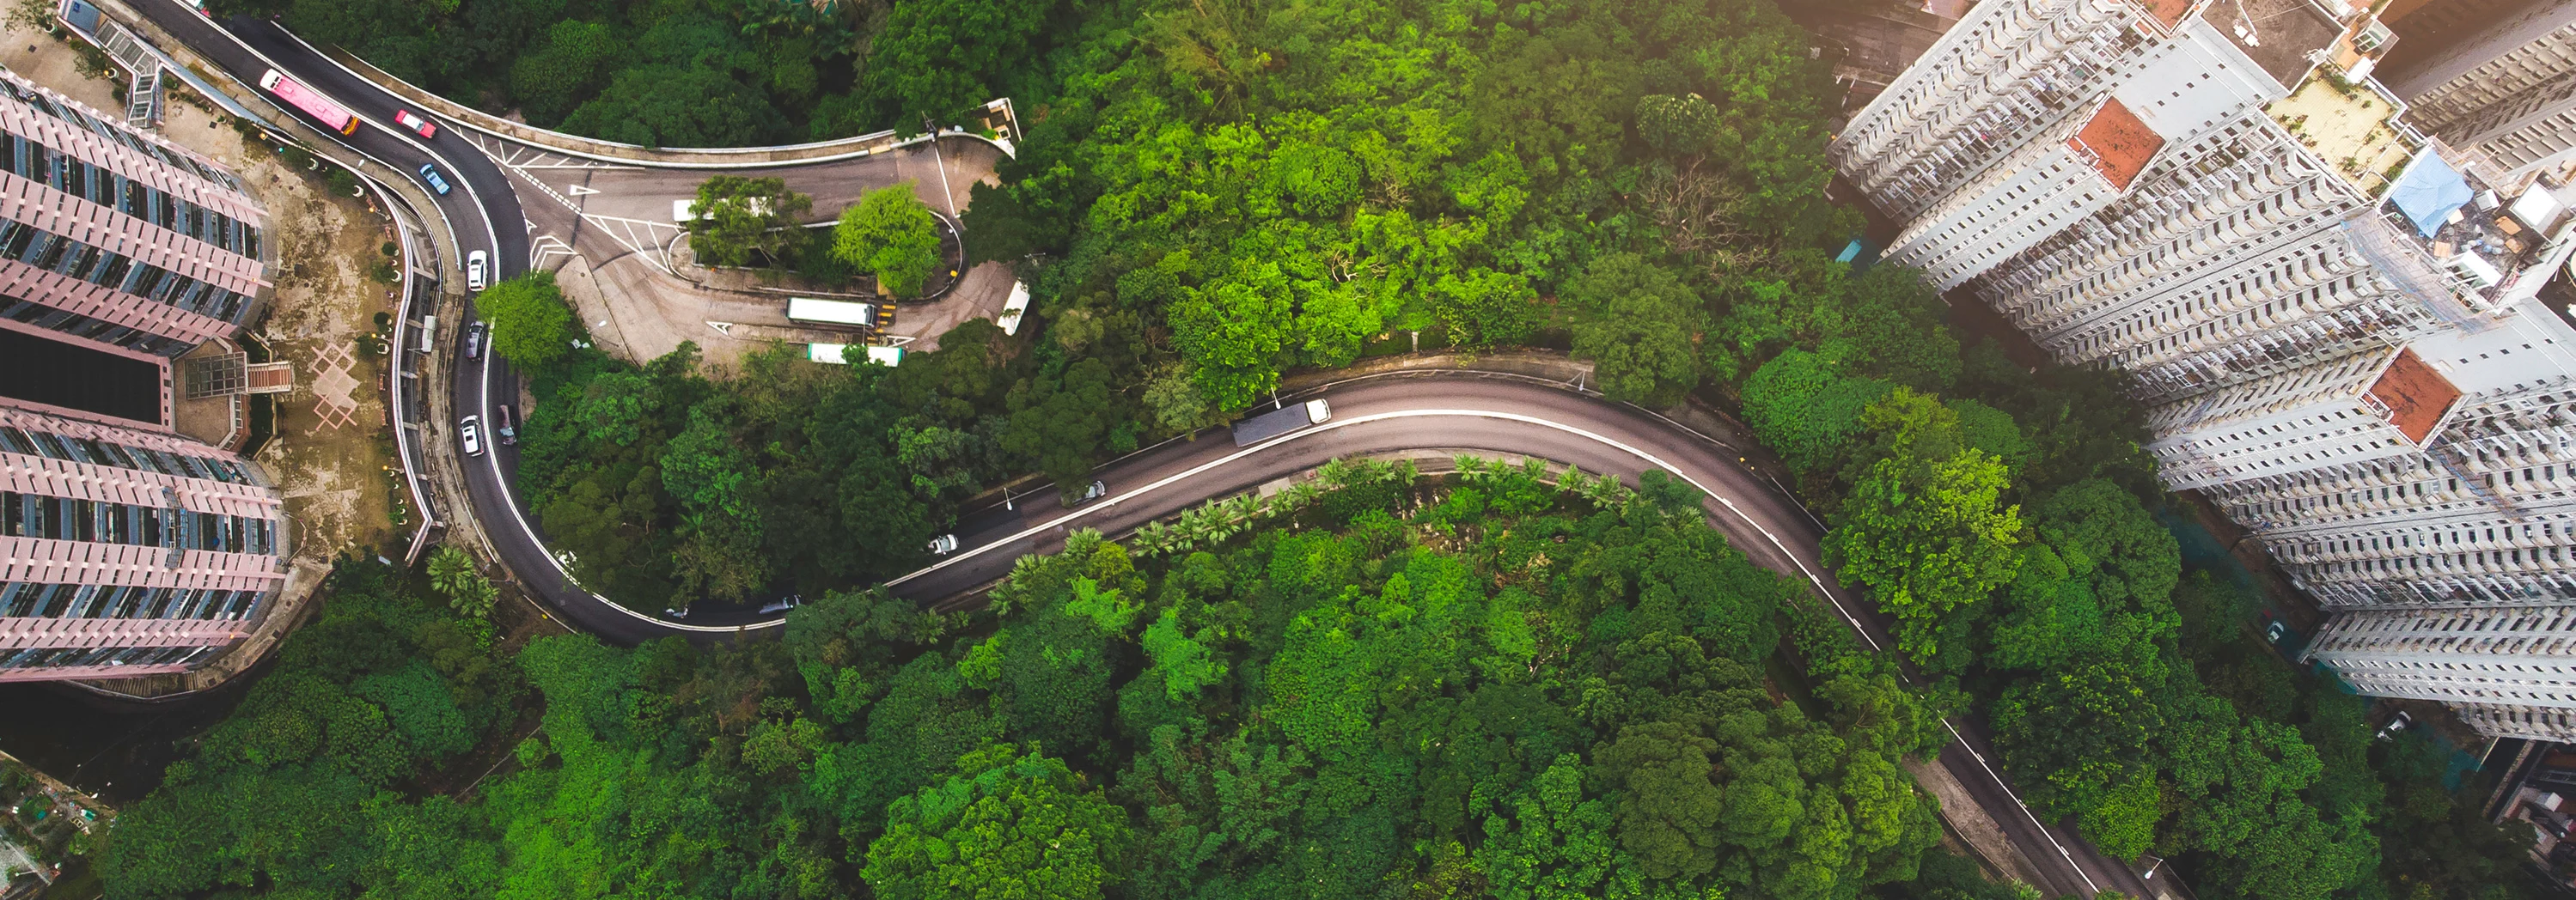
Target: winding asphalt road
x: 1448, y: 411
x: 1492, y: 413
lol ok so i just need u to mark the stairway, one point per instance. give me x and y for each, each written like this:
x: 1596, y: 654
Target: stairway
x: 143, y: 95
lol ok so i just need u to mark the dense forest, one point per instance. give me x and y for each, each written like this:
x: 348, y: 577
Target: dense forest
x: 1509, y: 685
x: 1502, y: 684
x: 1498, y: 687
x: 696, y: 73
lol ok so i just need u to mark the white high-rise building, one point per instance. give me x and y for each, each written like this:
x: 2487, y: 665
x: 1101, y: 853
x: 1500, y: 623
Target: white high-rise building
x: 2506, y: 670
x: 2335, y: 318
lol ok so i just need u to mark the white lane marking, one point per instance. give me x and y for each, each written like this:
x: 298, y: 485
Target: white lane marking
x: 2025, y: 807
x: 1596, y: 437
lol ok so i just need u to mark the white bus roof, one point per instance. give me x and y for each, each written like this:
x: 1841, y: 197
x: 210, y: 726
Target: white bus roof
x: 841, y: 312
x: 839, y: 354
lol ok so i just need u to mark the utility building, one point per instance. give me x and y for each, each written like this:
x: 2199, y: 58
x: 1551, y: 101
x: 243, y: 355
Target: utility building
x: 2334, y: 317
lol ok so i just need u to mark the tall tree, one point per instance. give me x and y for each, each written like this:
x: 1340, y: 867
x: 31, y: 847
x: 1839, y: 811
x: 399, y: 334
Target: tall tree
x: 890, y: 234
x: 531, y: 323
x: 735, y: 217
x: 1640, y: 329
x: 1008, y: 826
x: 1926, y: 530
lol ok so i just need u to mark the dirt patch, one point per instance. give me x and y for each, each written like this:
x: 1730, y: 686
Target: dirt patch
x: 333, y: 462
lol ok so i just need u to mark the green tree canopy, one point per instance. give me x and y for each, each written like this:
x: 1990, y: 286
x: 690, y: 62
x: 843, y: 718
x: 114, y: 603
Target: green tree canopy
x: 1926, y: 530
x: 735, y: 217
x: 890, y: 235
x: 1640, y: 330
x: 1007, y: 826
x: 531, y: 322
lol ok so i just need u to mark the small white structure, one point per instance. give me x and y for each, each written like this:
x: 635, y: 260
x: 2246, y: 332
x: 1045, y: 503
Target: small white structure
x: 838, y: 354
x: 1013, y: 308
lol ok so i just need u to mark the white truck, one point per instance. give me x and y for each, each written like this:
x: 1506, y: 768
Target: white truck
x: 1280, y: 421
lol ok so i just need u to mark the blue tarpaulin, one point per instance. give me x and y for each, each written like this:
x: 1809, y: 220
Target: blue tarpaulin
x: 82, y: 16
x: 2429, y: 191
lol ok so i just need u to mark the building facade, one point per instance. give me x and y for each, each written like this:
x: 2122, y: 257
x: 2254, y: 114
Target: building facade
x: 2334, y: 317
x: 115, y: 238
x: 126, y: 549
x: 2506, y: 670
x: 126, y: 552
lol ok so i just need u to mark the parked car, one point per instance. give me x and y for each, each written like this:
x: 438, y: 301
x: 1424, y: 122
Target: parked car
x: 476, y: 263
x: 943, y: 545
x: 437, y: 182
x: 2395, y: 725
x: 505, y: 424
x: 474, y: 340
x: 2277, y: 631
x: 404, y: 118
x: 678, y: 613
x: 783, y: 604
x: 470, y: 433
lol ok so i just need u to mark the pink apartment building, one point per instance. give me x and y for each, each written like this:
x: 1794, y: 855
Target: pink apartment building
x: 126, y: 552
x: 126, y: 549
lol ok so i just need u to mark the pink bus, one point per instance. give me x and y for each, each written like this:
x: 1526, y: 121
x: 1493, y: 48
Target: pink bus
x: 310, y: 101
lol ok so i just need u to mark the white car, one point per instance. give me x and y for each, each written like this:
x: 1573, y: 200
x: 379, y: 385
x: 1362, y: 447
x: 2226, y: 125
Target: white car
x: 470, y: 433
x: 476, y: 263
x: 943, y: 545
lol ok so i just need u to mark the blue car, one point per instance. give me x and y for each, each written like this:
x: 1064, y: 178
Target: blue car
x: 429, y: 173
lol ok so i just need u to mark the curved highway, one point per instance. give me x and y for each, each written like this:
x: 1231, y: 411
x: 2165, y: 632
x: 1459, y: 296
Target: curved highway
x: 483, y: 212
x: 1450, y: 411
x: 1490, y: 413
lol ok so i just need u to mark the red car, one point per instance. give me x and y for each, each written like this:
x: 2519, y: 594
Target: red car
x: 404, y: 118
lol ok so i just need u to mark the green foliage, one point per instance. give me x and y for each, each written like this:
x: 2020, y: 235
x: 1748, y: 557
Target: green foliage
x: 1006, y: 825
x: 1805, y: 410
x: 675, y: 106
x: 939, y: 60
x: 1640, y: 328
x: 664, y: 486
x: 292, y: 792
x: 453, y: 574
x: 891, y: 235
x: 531, y: 322
x: 735, y: 217
x: 1926, y: 530
x: 570, y: 62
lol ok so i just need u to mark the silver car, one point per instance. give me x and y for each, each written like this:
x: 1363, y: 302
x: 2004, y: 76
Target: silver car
x: 470, y: 433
